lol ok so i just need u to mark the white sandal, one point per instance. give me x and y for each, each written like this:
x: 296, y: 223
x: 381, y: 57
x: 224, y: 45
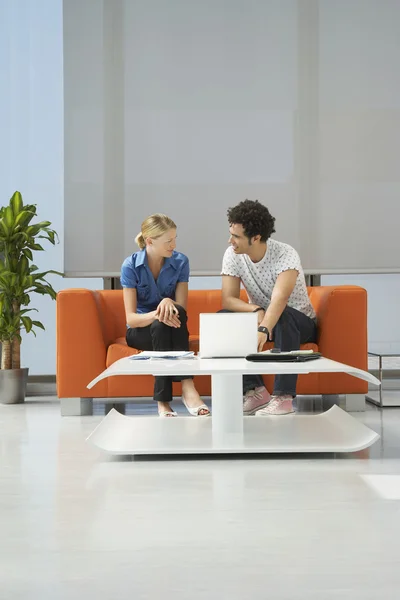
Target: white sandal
x: 195, y: 411
x: 167, y: 413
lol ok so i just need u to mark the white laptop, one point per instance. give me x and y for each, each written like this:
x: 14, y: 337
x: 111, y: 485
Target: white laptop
x: 228, y: 335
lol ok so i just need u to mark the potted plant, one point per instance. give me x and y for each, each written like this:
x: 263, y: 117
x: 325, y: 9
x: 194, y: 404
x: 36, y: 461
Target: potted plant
x: 19, y: 278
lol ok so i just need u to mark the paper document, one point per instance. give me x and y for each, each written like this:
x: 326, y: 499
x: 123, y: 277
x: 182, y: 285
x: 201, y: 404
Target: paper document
x: 169, y: 355
x: 289, y: 352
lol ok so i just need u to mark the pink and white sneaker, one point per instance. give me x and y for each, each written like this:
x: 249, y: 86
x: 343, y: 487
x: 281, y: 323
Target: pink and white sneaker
x: 279, y: 405
x: 255, y: 400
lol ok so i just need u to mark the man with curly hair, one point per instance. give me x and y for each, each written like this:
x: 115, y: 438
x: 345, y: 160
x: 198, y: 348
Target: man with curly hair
x: 273, y: 277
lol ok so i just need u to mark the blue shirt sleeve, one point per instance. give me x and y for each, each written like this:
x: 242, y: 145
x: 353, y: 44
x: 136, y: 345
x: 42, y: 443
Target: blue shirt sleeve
x: 129, y: 278
x: 184, y: 272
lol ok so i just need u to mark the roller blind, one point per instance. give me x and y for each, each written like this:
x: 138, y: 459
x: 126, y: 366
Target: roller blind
x: 188, y: 107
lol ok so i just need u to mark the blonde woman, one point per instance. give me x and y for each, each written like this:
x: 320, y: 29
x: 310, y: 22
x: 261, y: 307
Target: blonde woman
x: 155, y: 286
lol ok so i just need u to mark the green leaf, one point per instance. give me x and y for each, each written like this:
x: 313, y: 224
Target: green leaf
x: 13, y: 264
x: 38, y: 324
x: 45, y: 290
x: 16, y: 203
x: 24, y: 218
x: 9, y: 217
x: 27, y: 321
x: 26, y: 310
x: 48, y: 237
x: 43, y: 224
x: 22, y: 237
x: 4, y: 230
x: 36, y: 247
x: 23, y: 266
x: 28, y: 254
x: 41, y: 276
x: 33, y: 230
x: 31, y: 208
x: 5, y: 280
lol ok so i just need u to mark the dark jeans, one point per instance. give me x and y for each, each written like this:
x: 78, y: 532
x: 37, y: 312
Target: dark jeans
x: 292, y: 329
x: 158, y: 337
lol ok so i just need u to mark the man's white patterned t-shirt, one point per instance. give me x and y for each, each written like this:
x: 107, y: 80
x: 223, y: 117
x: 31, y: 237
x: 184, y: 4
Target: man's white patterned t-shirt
x: 259, y: 278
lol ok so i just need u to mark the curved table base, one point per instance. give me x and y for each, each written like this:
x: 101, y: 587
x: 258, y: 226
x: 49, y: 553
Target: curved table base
x: 332, y: 431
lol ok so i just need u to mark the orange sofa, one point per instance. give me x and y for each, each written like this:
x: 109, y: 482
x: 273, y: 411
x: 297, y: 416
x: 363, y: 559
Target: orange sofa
x: 91, y: 336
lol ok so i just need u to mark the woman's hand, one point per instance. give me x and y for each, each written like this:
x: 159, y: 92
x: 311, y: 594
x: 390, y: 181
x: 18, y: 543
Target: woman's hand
x: 167, y: 313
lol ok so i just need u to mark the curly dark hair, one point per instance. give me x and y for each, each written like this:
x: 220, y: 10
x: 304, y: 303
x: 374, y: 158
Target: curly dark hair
x: 254, y: 217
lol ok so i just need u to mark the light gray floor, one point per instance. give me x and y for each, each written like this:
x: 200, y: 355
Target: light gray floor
x: 75, y: 523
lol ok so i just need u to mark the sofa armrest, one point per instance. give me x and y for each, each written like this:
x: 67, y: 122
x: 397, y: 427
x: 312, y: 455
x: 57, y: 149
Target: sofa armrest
x: 81, y: 347
x: 342, y: 323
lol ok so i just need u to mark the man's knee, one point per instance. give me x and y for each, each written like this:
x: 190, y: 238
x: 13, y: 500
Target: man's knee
x: 286, y: 324
x: 285, y: 317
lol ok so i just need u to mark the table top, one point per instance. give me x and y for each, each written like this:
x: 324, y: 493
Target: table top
x: 227, y: 366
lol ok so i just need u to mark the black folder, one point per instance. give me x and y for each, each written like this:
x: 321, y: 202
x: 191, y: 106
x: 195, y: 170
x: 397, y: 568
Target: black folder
x: 282, y: 357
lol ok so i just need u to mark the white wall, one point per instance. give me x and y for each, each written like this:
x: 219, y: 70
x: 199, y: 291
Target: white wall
x: 31, y: 160
x: 31, y: 148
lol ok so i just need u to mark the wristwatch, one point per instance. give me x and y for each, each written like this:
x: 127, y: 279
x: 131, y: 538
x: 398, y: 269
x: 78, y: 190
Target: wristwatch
x: 263, y: 329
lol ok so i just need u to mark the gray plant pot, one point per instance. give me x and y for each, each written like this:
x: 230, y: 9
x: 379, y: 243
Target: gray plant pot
x: 13, y: 385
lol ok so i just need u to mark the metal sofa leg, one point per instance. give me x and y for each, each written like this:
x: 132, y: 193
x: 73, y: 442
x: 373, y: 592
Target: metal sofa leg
x: 118, y: 406
x: 350, y: 402
x: 76, y: 407
x: 354, y: 402
x: 328, y: 400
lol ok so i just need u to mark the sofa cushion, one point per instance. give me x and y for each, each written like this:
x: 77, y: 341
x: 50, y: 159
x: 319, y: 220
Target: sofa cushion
x: 120, y: 349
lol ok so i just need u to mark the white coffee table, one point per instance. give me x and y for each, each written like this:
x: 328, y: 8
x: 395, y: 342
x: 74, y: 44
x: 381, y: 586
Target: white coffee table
x: 227, y: 431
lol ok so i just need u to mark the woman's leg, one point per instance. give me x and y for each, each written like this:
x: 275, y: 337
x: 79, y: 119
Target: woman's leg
x: 143, y: 338
x: 180, y: 341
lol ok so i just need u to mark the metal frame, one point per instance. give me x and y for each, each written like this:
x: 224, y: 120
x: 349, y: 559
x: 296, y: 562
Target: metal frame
x: 380, y: 377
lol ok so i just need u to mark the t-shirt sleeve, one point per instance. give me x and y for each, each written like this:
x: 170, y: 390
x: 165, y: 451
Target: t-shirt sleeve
x: 184, y: 272
x: 129, y: 278
x: 289, y: 260
x: 229, y: 265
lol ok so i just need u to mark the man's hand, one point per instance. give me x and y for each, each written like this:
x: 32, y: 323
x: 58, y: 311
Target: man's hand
x: 167, y: 313
x: 262, y: 338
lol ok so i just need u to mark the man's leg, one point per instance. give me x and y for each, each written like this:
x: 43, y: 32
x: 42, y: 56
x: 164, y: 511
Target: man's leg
x: 293, y: 329
x: 256, y: 396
